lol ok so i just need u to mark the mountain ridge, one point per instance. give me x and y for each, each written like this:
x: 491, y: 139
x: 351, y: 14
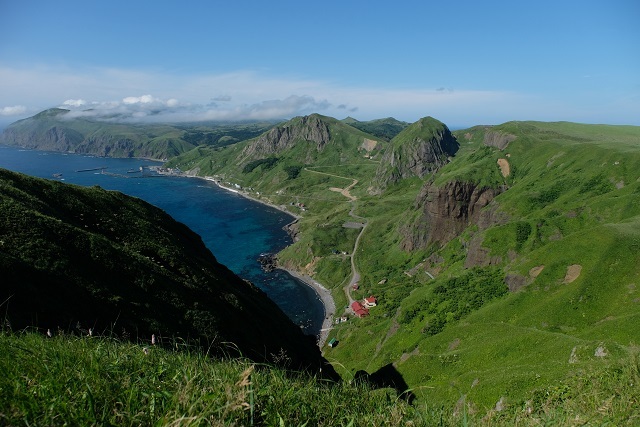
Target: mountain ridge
x: 536, y: 221
x: 59, y: 129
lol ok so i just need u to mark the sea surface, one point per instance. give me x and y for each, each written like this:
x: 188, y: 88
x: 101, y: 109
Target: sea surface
x: 236, y: 230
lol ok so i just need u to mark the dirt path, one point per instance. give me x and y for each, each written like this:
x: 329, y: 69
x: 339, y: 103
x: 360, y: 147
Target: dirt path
x: 355, y: 275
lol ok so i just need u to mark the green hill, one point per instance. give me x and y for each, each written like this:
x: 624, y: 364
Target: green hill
x: 531, y: 235
x: 420, y: 149
x: 77, y: 259
x: 503, y: 266
x: 383, y: 128
x: 58, y: 129
x: 504, y: 258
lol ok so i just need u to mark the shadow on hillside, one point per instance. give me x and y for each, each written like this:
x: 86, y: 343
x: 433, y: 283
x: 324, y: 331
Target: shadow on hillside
x: 387, y: 376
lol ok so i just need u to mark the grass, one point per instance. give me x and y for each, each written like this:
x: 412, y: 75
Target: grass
x: 72, y: 380
x: 571, y: 199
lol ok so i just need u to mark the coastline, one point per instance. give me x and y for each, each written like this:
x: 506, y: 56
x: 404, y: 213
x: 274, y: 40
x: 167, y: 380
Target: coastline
x: 325, y: 297
x: 324, y: 294
x: 244, y: 194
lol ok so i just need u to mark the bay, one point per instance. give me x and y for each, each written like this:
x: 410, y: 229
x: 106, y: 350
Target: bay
x: 235, y: 229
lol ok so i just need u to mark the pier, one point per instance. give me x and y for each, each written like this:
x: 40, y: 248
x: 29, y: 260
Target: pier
x: 102, y: 168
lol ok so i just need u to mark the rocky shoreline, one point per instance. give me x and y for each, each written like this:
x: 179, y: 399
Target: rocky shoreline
x: 325, y: 297
x: 269, y: 261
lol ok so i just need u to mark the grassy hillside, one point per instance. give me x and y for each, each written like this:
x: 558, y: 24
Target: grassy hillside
x: 121, y: 383
x: 524, y: 311
x: 77, y: 259
x: 563, y: 238
x: 304, y: 165
x: 535, y: 284
x: 383, y: 128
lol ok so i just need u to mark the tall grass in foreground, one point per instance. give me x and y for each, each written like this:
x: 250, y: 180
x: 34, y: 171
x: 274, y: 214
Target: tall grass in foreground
x: 68, y: 380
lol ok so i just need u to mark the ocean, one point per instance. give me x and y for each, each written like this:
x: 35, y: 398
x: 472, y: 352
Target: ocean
x: 236, y: 230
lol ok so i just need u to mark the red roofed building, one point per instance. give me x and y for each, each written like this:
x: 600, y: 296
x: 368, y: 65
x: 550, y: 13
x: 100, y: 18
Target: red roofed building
x: 370, y: 302
x: 358, y: 309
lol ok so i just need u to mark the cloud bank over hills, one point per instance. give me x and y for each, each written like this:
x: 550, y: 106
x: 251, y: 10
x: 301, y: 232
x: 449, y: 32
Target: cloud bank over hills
x: 147, y: 108
x: 160, y: 96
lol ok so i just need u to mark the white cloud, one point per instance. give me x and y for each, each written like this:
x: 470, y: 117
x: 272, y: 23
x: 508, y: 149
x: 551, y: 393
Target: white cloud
x: 14, y: 110
x: 144, y: 99
x: 74, y: 103
x: 120, y: 94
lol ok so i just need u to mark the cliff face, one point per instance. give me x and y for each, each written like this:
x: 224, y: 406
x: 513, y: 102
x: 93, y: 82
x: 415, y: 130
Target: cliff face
x: 499, y: 140
x: 446, y: 211
x: 311, y: 129
x: 420, y: 149
x: 53, y: 130
x: 55, y: 138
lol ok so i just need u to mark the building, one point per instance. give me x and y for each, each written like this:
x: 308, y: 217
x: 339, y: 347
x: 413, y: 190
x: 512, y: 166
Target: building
x: 370, y: 302
x: 358, y: 309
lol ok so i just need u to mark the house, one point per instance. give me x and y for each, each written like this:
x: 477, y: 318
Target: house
x: 333, y: 342
x: 358, y: 309
x: 370, y: 302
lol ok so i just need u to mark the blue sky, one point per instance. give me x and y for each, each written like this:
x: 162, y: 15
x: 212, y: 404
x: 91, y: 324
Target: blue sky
x: 463, y: 62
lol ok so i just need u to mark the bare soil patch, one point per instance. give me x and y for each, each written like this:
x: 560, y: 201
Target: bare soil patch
x: 573, y: 272
x: 535, y: 271
x: 369, y: 144
x: 505, y: 169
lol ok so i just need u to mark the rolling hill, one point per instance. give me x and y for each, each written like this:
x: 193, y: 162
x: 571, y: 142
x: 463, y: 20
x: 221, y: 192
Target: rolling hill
x: 504, y: 258
x: 501, y: 267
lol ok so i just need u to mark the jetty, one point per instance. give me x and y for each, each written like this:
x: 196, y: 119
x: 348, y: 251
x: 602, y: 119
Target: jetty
x: 92, y: 169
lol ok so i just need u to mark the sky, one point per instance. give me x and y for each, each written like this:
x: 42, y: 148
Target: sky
x: 462, y: 62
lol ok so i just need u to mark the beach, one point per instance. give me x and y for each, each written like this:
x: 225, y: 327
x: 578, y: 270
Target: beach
x: 324, y: 295
x: 328, y: 303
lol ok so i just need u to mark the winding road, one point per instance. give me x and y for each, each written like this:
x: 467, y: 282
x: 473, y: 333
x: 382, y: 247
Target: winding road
x: 355, y: 275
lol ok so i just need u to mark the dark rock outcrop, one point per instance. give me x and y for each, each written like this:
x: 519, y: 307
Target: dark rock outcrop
x: 499, y: 140
x: 268, y: 262
x: 311, y: 129
x: 446, y: 211
x: 420, y: 149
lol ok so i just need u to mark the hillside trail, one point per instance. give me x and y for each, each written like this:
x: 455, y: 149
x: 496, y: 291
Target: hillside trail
x: 355, y: 275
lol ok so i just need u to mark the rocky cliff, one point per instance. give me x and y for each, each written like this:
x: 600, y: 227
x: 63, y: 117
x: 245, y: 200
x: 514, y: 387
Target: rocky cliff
x: 422, y: 148
x: 55, y: 130
x: 497, y: 139
x: 447, y: 210
x: 308, y: 129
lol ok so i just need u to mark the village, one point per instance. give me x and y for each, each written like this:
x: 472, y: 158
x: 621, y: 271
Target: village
x: 358, y: 308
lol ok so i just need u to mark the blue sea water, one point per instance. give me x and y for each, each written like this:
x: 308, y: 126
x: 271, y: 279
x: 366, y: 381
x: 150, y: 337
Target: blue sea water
x: 236, y: 230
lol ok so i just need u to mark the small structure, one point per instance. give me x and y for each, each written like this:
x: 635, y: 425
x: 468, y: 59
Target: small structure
x: 333, y: 342
x: 341, y: 319
x: 359, y: 310
x: 355, y: 286
x: 370, y: 302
